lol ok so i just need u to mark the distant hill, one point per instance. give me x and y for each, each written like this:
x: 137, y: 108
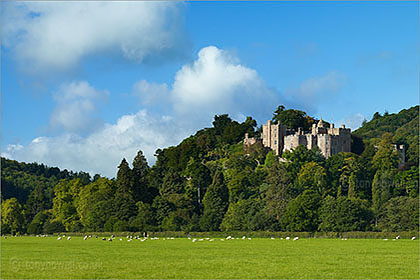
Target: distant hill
x: 406, y: 121
x: 404, y: 127
x: 19, y: 179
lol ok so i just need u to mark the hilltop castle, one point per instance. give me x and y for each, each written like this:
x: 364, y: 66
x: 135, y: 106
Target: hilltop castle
x: 330, y: 140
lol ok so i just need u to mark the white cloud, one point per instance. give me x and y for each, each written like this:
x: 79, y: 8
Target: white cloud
x: 102, y: 151
x: 353, y: 121
x: 153, y: 94
x: 214, y: 83
x: 56, y: 35
x: 76, y: 107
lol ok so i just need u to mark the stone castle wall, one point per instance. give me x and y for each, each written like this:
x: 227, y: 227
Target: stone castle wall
x: 329, y: 140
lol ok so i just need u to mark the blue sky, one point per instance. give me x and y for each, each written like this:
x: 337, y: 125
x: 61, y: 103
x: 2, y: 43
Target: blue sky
x: 86, y: 84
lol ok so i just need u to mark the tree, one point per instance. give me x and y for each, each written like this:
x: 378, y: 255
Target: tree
x: 65, y: 204
x: 215, y: 203
x: 245, y: 215
x: 11, y: 216
x: 300, y: 156
x: 124, y: 204
x: 381, y: 190
x: 140, y: 184
x: 277, y: 194
x: 198, y: 179
x: 93, y: 205
x: 385, y: 157
x: 313, y: 176
x: 144, y: 221
x: 292, y: 119
x: 400, y: 214
x: 302, y: 212
x: 344, y: 214
x: 37, y: 224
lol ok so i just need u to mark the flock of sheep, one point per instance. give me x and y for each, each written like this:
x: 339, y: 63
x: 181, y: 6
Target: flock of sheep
x: 142, y: 239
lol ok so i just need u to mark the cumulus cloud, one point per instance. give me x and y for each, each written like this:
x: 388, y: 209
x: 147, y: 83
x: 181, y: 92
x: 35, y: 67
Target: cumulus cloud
x: 56, y: 35
x: 102, y: 151
x: 214, y: 83
x: 75, y: 109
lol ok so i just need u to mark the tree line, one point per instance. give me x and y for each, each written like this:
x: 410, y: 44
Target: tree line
x: 209, y: 182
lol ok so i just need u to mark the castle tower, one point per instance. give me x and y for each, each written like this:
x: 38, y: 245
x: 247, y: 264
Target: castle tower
x: 273, y: 135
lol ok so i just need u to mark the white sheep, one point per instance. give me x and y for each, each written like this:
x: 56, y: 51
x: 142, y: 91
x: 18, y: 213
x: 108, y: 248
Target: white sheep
x: 413, y: 238
x: 288, y: 238
x: 398, y: 237
x: 68, y: 238
x: 59, y: 238
x: 296, y: 238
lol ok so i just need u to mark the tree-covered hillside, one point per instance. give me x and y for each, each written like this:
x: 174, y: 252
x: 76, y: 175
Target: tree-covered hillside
x: 402, y: 126
x: 209, y: 182
x: 389, y: 123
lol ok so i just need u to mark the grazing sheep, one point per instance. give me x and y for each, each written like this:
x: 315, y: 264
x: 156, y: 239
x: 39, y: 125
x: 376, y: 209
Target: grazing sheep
x: 110, y: 239
x: 120, y: 239
x: 68, y: 238
x: 288, y: 238
x: 229, y: 237
x: 59, y: 238
x: 103, y: 238
x: 413, y: 238
x: 249, y: 238
x: 222, y: 240
x: 272, y: 238
x: 398, y: 237
x: 84, y: 238
x: 243, y: 237
x: 194, y: 240
x: 296, y: 238
x: 211, y: 240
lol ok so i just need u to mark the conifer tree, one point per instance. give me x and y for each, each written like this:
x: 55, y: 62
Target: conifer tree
x: 140, y: 184
x: 124, y: 204
x: 215, y: 203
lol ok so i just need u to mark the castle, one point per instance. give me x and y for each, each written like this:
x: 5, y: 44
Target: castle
x: 330, y: 140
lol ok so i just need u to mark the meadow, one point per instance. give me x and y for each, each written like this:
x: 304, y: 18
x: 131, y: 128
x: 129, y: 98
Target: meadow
x: 179, y: 258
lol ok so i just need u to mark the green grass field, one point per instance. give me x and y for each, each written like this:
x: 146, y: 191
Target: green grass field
x: 35, y: 257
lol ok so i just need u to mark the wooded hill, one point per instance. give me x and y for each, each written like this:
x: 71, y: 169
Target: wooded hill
x: 209, y: 183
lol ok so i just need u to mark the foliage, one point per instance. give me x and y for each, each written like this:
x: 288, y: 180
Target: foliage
x: 302, y: 212
x: 215, y: 203
x: 292, y: 119
x: 210, y: 181
x: 400, y: 214
x: 11, y: 216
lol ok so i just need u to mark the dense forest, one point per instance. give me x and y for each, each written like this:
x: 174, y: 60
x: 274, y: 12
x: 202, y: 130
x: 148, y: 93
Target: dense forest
x: 210, y: 183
